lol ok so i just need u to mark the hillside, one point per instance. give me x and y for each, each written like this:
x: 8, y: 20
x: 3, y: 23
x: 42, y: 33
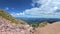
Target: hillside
x: 7, y: 16
x: 6, y: 27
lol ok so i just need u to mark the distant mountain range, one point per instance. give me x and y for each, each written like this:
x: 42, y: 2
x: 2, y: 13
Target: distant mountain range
x: 38, y: 20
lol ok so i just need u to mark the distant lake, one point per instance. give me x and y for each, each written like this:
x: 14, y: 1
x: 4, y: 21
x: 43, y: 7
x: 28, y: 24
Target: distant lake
x: 38, y: 20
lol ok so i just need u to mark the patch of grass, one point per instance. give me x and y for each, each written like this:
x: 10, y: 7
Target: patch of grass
x: 41, y: 24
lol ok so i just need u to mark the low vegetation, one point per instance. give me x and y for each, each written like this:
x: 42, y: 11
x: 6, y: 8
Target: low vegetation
x: 7, y: 16
x: 41, y: 24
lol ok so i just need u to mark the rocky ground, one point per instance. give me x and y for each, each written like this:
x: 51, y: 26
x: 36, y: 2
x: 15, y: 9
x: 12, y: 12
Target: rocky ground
x: 6, y: 27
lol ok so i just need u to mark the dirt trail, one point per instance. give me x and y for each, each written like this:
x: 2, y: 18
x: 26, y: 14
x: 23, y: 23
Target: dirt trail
x: 49, y: 29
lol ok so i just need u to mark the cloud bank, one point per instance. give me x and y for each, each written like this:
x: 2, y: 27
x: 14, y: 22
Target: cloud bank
x: 48, y: 9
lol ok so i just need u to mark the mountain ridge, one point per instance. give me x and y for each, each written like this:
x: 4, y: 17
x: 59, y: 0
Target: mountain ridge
x: 7, y: 16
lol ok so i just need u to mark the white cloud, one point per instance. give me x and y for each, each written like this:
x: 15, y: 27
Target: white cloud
x: 46, y: 10
x: 6, y: 8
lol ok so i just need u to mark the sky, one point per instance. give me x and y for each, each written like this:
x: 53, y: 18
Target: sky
x: 32, y: 8
x: 15, y: 5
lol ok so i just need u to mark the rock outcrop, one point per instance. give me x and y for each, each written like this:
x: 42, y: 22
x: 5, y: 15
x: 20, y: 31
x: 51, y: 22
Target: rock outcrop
x: 6, y: 27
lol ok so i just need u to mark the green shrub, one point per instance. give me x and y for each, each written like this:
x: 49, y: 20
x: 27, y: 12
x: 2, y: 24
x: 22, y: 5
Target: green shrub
x: 42, y: 24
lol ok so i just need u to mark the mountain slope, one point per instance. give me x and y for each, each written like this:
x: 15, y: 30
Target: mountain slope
x: 6, y: 27
x: 7, y: 16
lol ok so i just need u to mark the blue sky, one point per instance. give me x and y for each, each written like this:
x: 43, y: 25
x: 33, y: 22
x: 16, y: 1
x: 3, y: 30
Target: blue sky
x: 18, y: 5
x: 32, y: 8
